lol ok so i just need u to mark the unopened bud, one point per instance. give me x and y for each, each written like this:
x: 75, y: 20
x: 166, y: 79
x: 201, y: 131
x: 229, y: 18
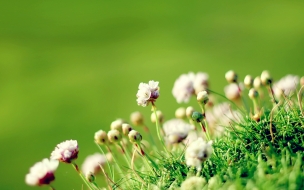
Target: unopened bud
x: 114, y: 136
x: 248, y: 81
x: 180, y: 113
x: 134, y: 136
x: 117, y: 124
x: 126, y: 128
x: 253, y: 93
x: 189, y: 111
x: 109, y: 157
x: 266, y: 78
x: 231, y: 76
x: 160, y: 117
x: 90, y: 176
x: 257, y: 83
x: 101, y: 137
x: 197, y: 116
x: 137, y: 118
x: 202, y: 97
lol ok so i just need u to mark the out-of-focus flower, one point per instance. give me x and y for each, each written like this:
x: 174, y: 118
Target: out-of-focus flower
x: 66, y: 151
x: 198, y: 152
x: 134, y: 136
x: 253, y: 93
x: 248, y: 81
x: 180, y: 113
x: 42, y: 173
x: 126, y: 128
x: 286, y: 85
x: 176, y: 130
x: 117, y: 124
x: 160, y: 117
x: 188, y: 84
x: 137, y: 118
x: 147, y: 93
x: 232, y: 91
x: 266, y: 79
x: 202, y: 97
x: 193, y: 183
x: 257, y: 83
x: 93, y: 162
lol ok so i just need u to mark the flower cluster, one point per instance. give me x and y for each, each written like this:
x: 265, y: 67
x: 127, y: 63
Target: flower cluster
x: 147, y: 93
x: 189, y: 84
x: 66, y: 151
x: 176, y: 130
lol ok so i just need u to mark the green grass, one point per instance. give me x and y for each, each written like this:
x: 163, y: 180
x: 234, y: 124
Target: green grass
x: 70, y: 68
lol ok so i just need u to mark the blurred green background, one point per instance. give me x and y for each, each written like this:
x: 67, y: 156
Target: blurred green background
x: 69, y: 68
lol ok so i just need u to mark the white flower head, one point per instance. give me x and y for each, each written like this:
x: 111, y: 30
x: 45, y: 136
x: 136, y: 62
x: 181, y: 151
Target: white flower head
x: 93, y: 162
x: 42, y: 173
x: 188, y: 84
x: 286, y: 85
x: 147, y: 93
x: 66, y: 151
x: 176, y: 130
x: 101, y: 137
x: 198, y: 152
x: 193, y: 183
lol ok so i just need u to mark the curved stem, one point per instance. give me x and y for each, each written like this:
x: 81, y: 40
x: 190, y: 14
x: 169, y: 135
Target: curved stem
x: 106, y: 159
x: 81, y: 176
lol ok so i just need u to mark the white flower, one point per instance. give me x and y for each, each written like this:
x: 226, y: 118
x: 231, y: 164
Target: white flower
x: 66, y: 151
x: 147, y: 93
x: 193, y: 183
x: 286, y: 85
x: 92, y: 163
x: 42, y: 172
x: 197, y: 152
x: 176, y: 130
x: 188, y: 84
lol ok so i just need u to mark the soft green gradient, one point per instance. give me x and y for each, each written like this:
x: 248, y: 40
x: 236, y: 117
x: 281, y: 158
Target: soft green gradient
x: 69, y: 68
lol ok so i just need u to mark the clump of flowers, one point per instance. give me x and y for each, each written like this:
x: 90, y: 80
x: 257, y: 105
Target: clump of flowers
x: 176, y: 130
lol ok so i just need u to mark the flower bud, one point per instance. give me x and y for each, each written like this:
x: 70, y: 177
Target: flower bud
x: 160, y: 117
x: 101, y: 137
x: 248, y: 81
x: 109, y: 157
x: 117, y: 124
x: 197, y: 116
x: 257, y: 83
x: 137, y: 118
x: 90, y: 176
x: 114, y: 136
x: 253, y: 93
x: 202, y: 97
x: 180, y: 113
x: 189, y: 111
x: 231, y: 76
x: 126, y: 128
x: 266, y: 78
x: 134, y: 136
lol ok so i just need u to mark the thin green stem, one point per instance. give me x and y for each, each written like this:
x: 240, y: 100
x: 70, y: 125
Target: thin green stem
x: 106, y: 159
x: 82, y: 177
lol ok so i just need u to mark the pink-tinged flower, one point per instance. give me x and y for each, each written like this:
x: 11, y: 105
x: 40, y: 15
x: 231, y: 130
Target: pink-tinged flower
x: 66, y: 151
x: 188, y: 84
x: 147, y: 93
x: 286, y: 85
x: 42, y: 173
x: 93, y: 162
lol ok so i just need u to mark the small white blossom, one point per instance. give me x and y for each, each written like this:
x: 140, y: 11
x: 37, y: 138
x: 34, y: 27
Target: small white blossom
x: 147, y: 93
x: 198, y: 152
x: 286, y: 85
x: 66, y: 151
x: 200, y: 82
x: 92, y: 163
x: 42, y: 172
x: 231, y: 76
x: 176, y: 130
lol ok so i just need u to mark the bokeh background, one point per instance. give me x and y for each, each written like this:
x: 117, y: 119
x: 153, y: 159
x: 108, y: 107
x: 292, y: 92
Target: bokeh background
x: 69, y: 68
